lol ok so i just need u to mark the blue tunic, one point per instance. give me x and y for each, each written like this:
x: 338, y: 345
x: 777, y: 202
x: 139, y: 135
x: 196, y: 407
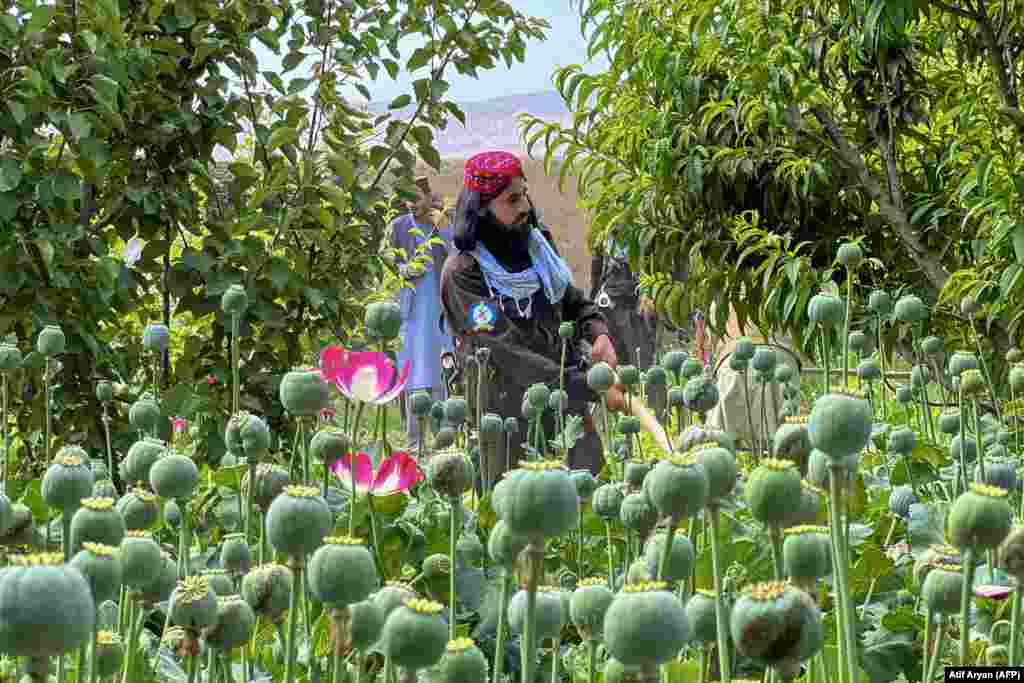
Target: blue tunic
x: 422, y: 339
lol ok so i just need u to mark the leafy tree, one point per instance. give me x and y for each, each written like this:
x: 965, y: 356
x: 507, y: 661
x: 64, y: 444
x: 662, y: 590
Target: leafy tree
x: 750, y: 138
x: 116, y: 118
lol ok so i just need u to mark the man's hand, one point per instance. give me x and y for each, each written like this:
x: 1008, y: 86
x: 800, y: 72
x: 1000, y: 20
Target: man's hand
x: 604, y: 350
x: 616, y: 399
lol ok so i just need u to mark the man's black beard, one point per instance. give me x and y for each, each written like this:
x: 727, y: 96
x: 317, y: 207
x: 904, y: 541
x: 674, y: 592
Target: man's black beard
x: 508, y: 244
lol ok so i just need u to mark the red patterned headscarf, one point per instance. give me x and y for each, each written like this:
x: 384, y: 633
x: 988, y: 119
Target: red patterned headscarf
x: 489, y: 173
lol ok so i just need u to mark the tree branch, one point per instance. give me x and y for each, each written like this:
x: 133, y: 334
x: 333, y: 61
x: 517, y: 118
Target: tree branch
x: 935, y: 273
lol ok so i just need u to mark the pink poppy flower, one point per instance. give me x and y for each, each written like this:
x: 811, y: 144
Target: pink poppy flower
x: 178, y: 424
x: 993, y: 592
x: 365, y: 376
x: 396, y: 474
x: 211, y: 380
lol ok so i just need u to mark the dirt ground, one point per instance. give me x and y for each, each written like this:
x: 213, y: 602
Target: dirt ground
x: 568, y: 223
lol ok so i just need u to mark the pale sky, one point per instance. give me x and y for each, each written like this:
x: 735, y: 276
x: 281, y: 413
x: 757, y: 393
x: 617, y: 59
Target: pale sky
x: 564, y: 45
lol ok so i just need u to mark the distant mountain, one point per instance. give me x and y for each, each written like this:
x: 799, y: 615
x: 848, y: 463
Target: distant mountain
x: 492, y: 123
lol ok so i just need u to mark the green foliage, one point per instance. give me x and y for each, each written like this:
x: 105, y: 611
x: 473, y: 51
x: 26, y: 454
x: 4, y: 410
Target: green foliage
x: 745, y: 139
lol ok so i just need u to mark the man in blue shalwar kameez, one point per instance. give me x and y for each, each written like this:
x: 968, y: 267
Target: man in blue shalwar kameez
x: 422, y: 338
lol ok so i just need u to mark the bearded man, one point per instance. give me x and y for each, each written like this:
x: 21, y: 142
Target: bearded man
x: 505, y: 287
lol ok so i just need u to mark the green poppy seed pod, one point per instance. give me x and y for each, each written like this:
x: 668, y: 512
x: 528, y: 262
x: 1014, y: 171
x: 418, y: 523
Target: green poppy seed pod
x: 558, y: 401
x: 920, y: 376
x: 144, y: 414
x: 737, y: 364
x: 840, y: 425
x: 857, y: 341
x: 51, y: 341
x: 103, y: 488
x: 235, y: 624
x: 163, y: 584
x: 234, y: 554
x: 543, y: 500
x: 451, y: 473
x: 298, y: 520
x: 109, y: 653
x: 141, y: 456
x: 393, y: 595
x: 342, y: 571
x: 880, y: 303
x: 997, y: 655
x: 104, y: 391
x: 784, y: 373
x: 174, y: 476
x: 10, y: 357
x: 193, y: 604
x: 101, y: 567
x: 462, y: 662
x: 414, y: 635
x: 156, y: 337
x: 234, y: 300
x: 304, y: 393
x: 1014, y: 355
x: 680, y: 557
x: 825, y: 309
x: 999, y: 472
x: 1011, y: 554
x: 1016, y: 377
x: 585, y: 483
x: 444, y: 438
x: 792, y: 441
x: 469, y: 549
x: 96, y: 521
x: 566, y: 330
x: 850, y: 255
x: 366, y: 621
x: 691, y: 368
x: 617, y: 672
x: 744, y: 349
x: 806, y: 554
x: 969, y: 306
x: 329, y: 445
x: 869, y: 371
x: 932, y: 345
x: 764, y: 360
x: 271, y: 480
x: 963, y: 450
x: 638, y: 513
x: 656, y: 376
x: 904, y: 395
x: 676, y: 397
x: 775, y: 623
x: 491, y: 425
x: 420, y: 403
x: 638, y: 572
x: 635, y: 473
x: 383, y: 320
x: 771, y: 490
x: 629, y: 375
x: 645, y: 625
x: 677, y: 487
x: 719, y: 466
x: 455, y: 409
x: 531, y: 412
x: 910, y: 309
x: 818, y: 468
x: 220, y: 582
x: 549, y: 615
x: 942, y: 588
x: 68, y: 480
x: 607, y: 501
x: 701, y: 616
x: 629, y: 424
x: 587, y: 607
x: 980, y: 518
x: 673, y: 361
x: 900, y: 500
x: 255, y: 436
x: 267, y: 589
x: 46, y: 607
x: 902, y: 440
x: 809, y: 509
x: 700, y: 395
x: 961, y: 361
x: 972, y: 382
x: 141, y: 560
